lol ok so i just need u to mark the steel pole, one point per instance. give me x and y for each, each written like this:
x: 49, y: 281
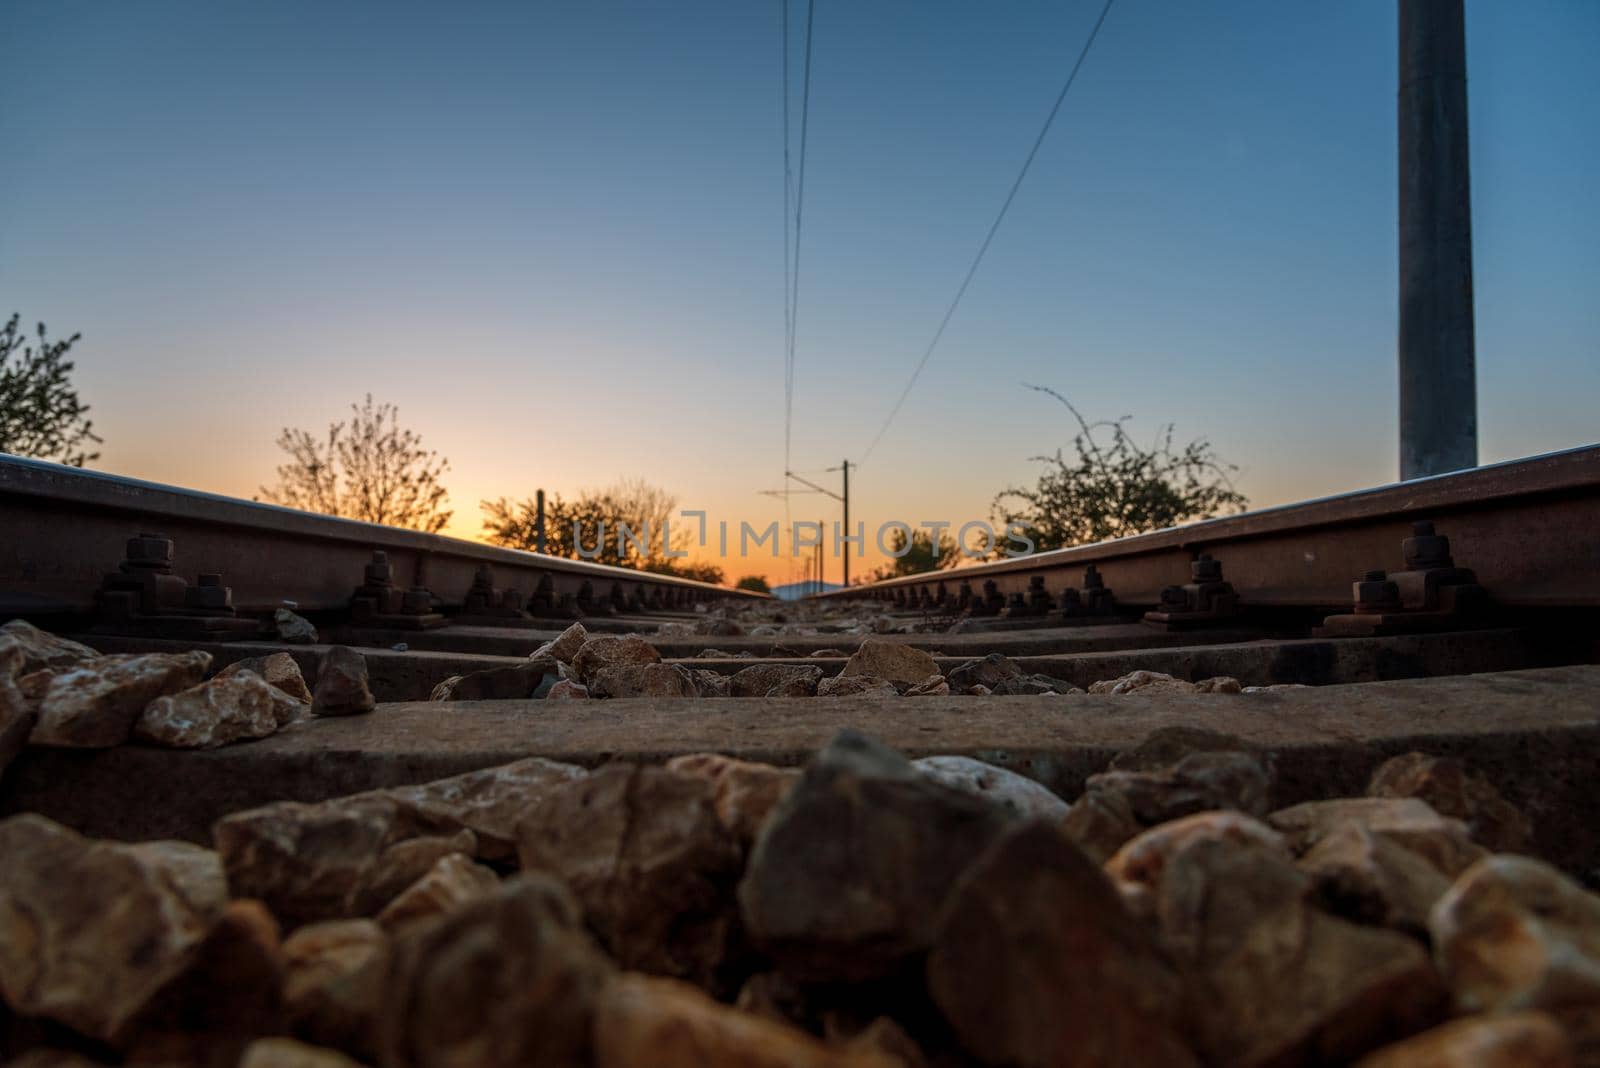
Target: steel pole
x: 1438, y: 379
x: 538, y: 527
x: 817, y: 559
x: 847, y: 522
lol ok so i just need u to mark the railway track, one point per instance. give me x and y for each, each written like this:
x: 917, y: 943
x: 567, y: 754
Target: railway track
x: 1311, y: 645
x: 1490, y: 570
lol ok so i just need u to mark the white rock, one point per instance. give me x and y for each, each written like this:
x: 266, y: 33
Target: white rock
x: 855, y: 686
x: 1019, y: 793
x: 1142, y: 682
x: 1515, y: 933
x: 293, y: 628
x: 41, y: 649
x: 93, y: 704
x: 225, y: 709
x: 901, y: 664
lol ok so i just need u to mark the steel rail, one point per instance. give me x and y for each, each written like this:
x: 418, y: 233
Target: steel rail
x: 1528, y: 528
x: 63, y: 528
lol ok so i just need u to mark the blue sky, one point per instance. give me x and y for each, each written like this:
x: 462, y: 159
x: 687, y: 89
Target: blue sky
x: 552, y: 233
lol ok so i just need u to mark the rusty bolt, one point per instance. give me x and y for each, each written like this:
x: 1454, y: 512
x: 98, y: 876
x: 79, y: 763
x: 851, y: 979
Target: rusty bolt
x: 417, y: 601
x: 1092, y: 579
x: 1206, y: 569
x: 1425, y: 548
x: 483, y: 578
x: 208, y: 592
x: 378, y: 572
x: 1375, y: 594
x: 149, y: 550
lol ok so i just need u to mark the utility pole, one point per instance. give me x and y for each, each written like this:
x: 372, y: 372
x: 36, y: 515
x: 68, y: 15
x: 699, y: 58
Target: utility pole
x: 816, y: 562
x: 538, y: 526
x: 842, y: 498
x: 1438, y: 378
x: 846, y: 500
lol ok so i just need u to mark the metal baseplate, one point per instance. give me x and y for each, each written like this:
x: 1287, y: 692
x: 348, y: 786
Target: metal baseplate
x: 486, y: 606
x: 381, y: 605
x: 1205, y: 600
x: 1431, y: 594
x: 144, y: 598
x: 1092, y: 604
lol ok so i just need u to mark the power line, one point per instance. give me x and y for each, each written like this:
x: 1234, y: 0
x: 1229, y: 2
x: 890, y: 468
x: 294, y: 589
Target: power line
x: 799, y: 226
x: 791, y: 253
x: 993, y: 229
x: 788, y: 312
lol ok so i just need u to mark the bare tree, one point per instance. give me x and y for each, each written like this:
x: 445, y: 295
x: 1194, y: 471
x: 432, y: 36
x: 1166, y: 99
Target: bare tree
x: 1113, y: 486
x: 644, y: 509
x: 40, y: 414
x: 367, y: 468
x: 647, y: 511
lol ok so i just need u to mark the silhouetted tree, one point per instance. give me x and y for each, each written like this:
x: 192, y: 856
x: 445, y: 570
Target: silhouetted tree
x: 699, y: 572
x: 753, y: 582
x: 1114, y: 488
x: 645, y: 509
x: 367, y: 468
x: 920, y: 556
x: 515, y: 524
x: 40, y: 414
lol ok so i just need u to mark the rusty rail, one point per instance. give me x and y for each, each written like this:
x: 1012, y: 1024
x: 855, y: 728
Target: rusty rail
x: 63, y: 529
x: 1526, y: 527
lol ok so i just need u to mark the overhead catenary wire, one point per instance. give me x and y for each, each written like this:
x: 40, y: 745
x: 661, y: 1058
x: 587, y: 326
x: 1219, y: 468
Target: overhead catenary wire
x: 993, y: 229
x: 788, y: 310
x: 800, y: 193
x: 788, y: 263
x: 793, y: 188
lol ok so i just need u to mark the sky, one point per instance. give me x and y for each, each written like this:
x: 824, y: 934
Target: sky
x: 552, y: 234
